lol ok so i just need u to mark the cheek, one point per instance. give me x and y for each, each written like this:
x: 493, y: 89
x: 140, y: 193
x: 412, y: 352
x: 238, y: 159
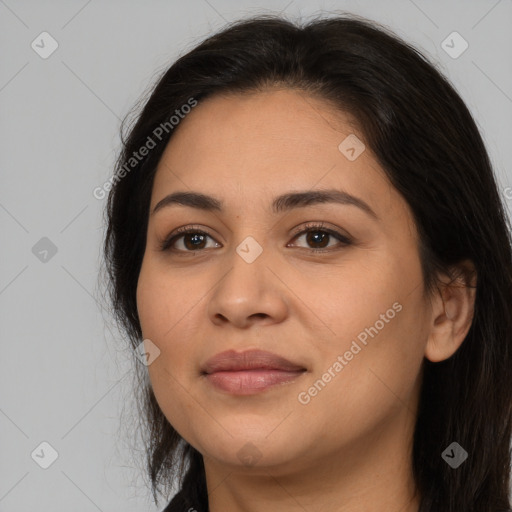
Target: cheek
x: 160, y: 306
x: 375, y: 351
x: 147, y: 300
x: 377, y: 384
x: 166, y: 314
x: 162, y: 315
x: 165, y: 324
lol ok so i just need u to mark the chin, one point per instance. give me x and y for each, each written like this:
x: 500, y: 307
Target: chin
x: 253, y: 449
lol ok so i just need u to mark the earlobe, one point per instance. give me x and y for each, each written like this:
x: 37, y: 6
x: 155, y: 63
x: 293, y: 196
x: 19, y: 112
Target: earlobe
x: 452, y: 313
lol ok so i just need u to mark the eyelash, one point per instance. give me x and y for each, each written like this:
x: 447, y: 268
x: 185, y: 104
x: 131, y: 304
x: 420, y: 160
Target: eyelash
x: 310, y: 227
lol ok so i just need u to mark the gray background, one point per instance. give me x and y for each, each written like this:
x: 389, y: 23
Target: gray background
x: 65, y: 374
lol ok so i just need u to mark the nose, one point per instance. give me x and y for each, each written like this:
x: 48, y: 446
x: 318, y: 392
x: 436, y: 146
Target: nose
x: 248, y: 293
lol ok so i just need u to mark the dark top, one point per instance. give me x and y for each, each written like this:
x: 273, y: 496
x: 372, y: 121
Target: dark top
x: 180, y: 504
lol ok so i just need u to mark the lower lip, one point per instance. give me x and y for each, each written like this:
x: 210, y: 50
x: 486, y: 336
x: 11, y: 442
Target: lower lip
x: 249, y: 382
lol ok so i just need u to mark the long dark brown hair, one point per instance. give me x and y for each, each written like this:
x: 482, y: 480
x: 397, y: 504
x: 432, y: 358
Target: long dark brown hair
x: 427, y: 142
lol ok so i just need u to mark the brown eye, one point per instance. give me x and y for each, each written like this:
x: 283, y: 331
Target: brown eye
x: 193, y: 240
x: 318, y: 237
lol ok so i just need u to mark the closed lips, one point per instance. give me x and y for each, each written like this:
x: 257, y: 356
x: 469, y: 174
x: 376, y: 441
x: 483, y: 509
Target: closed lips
x: 249, y: 373
x: 232, y: 361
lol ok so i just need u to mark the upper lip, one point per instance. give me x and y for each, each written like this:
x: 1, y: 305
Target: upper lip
x: 231, y: 360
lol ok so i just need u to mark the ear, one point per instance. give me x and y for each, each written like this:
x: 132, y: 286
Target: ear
x: 452, y: 312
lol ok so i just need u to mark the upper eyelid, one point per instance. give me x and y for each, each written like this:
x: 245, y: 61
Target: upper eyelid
x: 320, y: 225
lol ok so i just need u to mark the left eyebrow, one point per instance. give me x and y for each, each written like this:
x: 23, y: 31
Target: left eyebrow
x: 282, y: 203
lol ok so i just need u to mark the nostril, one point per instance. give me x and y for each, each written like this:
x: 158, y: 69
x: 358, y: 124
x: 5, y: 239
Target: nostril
x: 259, y: 315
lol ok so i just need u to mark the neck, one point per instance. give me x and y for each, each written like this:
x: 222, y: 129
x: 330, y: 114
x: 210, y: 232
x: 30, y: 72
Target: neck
x: 373, y: 474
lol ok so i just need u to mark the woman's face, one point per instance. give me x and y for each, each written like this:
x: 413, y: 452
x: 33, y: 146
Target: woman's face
x: 352, y: 319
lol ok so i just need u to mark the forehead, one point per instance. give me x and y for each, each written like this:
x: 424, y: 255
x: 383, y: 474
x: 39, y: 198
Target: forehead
x: 255, y: 146
x: 281, y: 124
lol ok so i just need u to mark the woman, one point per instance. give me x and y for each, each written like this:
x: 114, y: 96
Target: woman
x: 306, y: 240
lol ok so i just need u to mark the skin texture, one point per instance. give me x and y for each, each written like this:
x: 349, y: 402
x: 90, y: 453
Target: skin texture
x: 349, y: 447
